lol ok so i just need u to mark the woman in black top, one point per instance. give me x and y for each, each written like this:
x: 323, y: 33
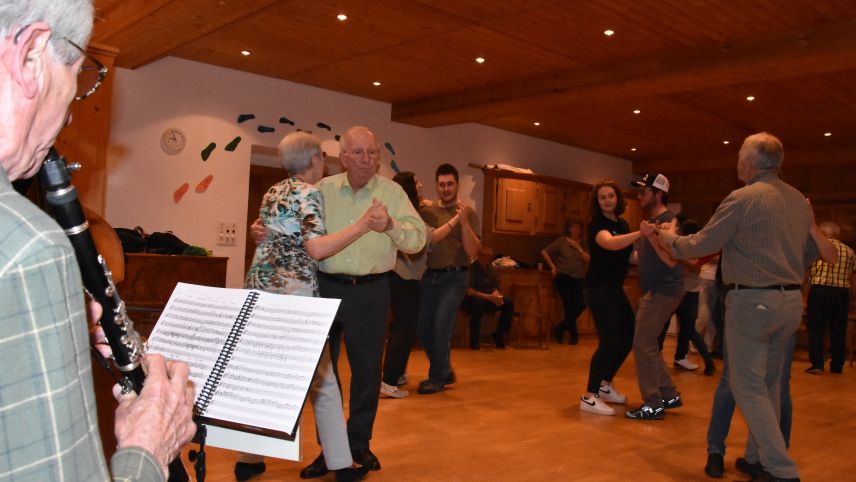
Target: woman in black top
x: 611, y: 245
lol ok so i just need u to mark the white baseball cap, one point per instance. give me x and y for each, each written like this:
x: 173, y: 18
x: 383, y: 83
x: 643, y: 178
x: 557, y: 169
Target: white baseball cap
x: 657, y: 181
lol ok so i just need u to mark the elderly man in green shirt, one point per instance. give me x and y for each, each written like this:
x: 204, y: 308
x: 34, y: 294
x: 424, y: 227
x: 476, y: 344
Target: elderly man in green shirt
x: 358, y: 276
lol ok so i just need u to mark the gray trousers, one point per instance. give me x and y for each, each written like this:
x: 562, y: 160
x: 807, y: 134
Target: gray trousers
x: 759, y: 329
x: 654, y: 311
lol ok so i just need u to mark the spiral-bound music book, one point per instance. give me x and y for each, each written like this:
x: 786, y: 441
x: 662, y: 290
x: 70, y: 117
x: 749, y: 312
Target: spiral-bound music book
x: 251, y: 354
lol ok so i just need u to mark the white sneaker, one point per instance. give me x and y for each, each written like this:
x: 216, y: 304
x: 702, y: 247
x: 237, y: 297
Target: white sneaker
x: 402, y: 380
x: 595, y: 405
x: 392, y: 392
x: 685, y: 364
x: 610, y: 394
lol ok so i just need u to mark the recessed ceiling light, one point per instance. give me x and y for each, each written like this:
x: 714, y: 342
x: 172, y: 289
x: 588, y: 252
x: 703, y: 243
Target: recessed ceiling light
x: 342, y: 17
x: 536, y: 123
x: 633, y: 149
x: 637, y: 111
x: 245, y: 52
x: 827, y: 134
x: 726, y: 142
x: 376, y: 84
x: 609, y: 32
x: 750, y: 98
x: 480, y: 60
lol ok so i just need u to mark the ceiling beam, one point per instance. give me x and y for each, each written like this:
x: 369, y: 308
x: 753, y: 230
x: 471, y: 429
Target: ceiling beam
x: 148, y: 31
x: 826, y: 49
x: 793, y: 158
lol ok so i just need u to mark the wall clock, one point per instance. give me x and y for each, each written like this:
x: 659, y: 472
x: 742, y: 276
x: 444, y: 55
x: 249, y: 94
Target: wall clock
x: 173, y: 140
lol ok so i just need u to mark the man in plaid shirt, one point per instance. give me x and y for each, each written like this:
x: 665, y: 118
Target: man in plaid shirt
x: 48, y: 424
x: 828, y: 302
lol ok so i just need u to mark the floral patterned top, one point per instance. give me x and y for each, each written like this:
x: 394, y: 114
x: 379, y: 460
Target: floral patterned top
x: 292, y: 212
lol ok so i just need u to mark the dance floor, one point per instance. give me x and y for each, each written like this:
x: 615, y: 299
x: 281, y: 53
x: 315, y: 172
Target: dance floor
x: 513, y: 415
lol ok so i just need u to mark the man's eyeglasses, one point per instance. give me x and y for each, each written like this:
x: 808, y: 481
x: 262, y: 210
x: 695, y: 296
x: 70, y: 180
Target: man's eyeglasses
x: 91, y: 75
x: 372, y: 153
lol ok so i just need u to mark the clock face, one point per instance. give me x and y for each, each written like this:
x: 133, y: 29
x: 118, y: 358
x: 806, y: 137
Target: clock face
x: 173, y: 140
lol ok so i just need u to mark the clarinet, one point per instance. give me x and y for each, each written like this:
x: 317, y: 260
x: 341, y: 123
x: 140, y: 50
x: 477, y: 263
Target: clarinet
x: 124, y: 341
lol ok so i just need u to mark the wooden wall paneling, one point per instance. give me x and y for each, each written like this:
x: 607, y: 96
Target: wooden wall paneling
x: 85, y: 139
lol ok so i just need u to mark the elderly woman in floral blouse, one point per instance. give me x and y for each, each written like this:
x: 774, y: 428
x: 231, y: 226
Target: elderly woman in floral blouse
x: 286, y: 262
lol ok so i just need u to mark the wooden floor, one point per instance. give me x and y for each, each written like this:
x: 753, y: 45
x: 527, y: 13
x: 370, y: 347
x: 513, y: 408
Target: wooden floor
x: 514, y: 416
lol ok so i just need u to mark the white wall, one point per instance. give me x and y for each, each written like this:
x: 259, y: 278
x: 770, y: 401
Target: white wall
x: 205, y: 101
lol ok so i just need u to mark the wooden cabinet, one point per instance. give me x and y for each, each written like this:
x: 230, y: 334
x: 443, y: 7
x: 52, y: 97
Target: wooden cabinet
x: 514, y: 206
x: 150, y: 279
x: 528, y: 207
x: 523, y: 213
x: 550, y: 217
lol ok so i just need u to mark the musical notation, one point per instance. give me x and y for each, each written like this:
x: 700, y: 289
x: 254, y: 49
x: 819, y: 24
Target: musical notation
x: 269, y: 361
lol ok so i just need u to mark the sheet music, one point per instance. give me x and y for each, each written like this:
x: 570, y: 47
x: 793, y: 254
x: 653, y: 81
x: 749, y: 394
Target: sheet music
x: 266, y: 380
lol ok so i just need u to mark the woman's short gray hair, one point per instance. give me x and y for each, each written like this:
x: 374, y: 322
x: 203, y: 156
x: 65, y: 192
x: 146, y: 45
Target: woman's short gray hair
x: 296, y: 151
x: 68, y: 19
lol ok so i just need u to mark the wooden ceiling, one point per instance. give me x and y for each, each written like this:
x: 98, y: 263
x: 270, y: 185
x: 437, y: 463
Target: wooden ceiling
x: 687, y: 65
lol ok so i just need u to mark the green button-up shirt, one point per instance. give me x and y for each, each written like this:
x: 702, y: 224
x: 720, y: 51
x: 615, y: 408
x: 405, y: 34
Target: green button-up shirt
x: 373, y: 252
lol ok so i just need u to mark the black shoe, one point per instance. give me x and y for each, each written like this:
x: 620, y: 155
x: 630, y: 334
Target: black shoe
x: 715, y: 466
x: 673, y: 403
x: 428, y: 387
x: 646, y: 413
x: 450, y: 380
x: 318, y: 468
x: 557, y: 335
x: 768, y: 477
x: 751, y: 469
x: 497, y: 339
x: 574, y: 339
x: 709, y: 368
x: 245, y: 471
x: 352, y: 474
x: 836, y: 371
x: 366, y: 458
x: 813, y: 370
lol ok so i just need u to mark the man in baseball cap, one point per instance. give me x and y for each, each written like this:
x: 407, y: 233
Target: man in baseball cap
x: 657, y: 181
x: 662, y: 288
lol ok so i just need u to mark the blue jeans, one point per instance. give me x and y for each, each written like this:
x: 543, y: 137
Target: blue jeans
x: 441, y: 296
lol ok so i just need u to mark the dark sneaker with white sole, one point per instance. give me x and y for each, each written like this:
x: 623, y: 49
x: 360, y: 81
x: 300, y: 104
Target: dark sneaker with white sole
x: 646, y: 413
x: 673, y: 403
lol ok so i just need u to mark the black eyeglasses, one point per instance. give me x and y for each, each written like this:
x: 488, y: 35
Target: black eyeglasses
x: 91, y: 75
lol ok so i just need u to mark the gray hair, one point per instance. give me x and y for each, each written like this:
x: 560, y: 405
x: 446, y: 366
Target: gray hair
x: 68, y: 19
x: 765, y: 151
x: 830, y: 229
x: 296, y: 151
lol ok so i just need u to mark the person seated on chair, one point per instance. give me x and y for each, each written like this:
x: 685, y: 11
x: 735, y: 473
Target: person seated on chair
x: 483, y: 296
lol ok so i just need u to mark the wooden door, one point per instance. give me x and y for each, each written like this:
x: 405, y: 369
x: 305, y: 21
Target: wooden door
x: 261, y: 179
x: 514, y: 206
